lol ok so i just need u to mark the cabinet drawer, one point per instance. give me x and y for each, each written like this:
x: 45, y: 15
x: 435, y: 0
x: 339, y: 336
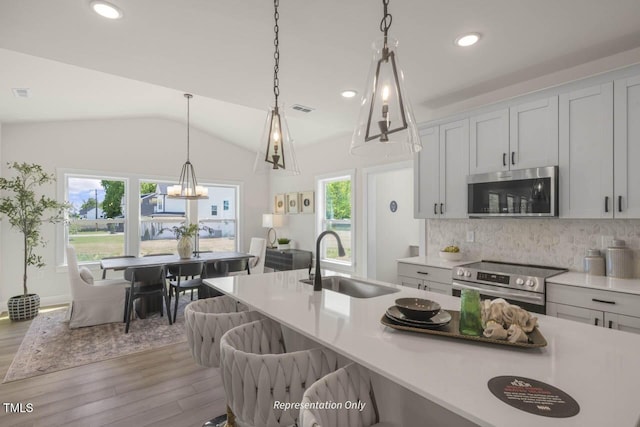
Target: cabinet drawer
x: 410, y: 282
x: 435, y: 274
x: 594, y: 299
x: 441, y: 288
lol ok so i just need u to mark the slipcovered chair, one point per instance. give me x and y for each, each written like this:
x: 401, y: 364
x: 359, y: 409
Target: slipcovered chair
x: 258, y: 249
x: 206, y: 320
x: 93, y: 302
x: 257, y: 371
x: 348, y: 384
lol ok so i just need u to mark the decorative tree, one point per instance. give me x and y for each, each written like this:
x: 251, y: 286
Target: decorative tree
x: 26, y: 211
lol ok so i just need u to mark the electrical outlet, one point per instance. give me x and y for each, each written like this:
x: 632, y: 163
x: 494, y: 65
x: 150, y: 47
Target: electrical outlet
x: 606, y: 241
x: 471, y: 236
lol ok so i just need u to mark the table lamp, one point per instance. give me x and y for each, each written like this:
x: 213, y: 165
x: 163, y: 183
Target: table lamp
x: 271, y: 221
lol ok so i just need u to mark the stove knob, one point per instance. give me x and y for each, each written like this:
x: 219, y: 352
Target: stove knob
x: 519, y: 281
x: 530, y: 283
x: 459, y: 272
x: 467, y: 274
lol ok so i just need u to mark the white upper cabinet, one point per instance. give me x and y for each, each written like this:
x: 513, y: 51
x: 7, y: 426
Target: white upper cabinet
x: 440, y: 171
x: 426, y: 175
x: 454, y: 168
x: 489, y: 142
x: 586, y: 152
x: 533, y: 140
x: 627, y: 148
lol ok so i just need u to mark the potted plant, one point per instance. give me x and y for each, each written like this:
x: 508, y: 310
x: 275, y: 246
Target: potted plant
x: 283, y: 243
x: 26, y: 212
x: 184, y: 234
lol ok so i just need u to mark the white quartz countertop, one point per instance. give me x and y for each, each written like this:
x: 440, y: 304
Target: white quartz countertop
x: 433, y: 261
x: 628, y: 286
x: 598, y: 367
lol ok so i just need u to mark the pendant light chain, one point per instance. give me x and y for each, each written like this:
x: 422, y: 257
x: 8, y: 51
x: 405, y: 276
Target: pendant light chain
x: 386, y: 21
x: 276, y: 53
x: 188, y: 96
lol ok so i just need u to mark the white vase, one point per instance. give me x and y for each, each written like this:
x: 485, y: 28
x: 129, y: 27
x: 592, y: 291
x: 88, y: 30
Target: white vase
x: 185, y: 248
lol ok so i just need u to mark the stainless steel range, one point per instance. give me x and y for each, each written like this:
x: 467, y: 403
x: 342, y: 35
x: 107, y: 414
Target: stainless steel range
x: 519, y: 284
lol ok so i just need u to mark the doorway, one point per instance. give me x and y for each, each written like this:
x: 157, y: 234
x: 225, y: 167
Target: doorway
x: 390, y: 226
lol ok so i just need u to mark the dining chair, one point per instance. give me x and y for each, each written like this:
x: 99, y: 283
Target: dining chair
x: 145, y: 281
x: 184, y: 279
x: 212, y: 269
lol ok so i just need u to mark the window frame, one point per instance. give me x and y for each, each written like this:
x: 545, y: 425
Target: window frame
x: 132, y: 208
x: 321, y: 180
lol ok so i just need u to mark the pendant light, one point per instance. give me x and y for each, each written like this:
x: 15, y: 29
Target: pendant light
x: 279, y: 154
x: 386, y: 125
x: 187, y: 187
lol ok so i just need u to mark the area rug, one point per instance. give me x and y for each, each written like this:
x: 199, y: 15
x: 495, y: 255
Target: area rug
x: 49, y: 345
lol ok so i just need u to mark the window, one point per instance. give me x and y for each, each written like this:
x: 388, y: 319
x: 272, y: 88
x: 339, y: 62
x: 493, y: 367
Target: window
x: 97, y: 218
x: 219, y: 232
x: 335, y: 213
x: 158, y: 215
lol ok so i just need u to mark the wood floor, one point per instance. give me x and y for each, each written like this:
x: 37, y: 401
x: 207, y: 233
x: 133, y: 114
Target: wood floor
x: 162, y: 387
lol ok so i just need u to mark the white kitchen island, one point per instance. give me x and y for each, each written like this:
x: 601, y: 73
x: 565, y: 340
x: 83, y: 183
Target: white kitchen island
x: 599, y: 368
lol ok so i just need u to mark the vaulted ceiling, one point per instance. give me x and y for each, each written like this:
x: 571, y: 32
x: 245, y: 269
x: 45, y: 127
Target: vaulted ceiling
x: 79, y: 65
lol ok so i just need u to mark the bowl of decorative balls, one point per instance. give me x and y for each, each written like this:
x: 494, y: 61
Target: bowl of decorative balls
x: 451, y: 253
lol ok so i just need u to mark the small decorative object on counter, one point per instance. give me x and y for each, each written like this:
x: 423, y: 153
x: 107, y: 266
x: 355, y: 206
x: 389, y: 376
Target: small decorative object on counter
x: 594, y: 263
x: 470, y: 313
x: 504, y: 321
x: 619, y: 260
x: 451, y: 253
x: 284, y: 243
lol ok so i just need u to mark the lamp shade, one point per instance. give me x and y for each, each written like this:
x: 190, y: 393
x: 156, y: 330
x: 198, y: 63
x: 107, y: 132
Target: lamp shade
x: 272, y: 220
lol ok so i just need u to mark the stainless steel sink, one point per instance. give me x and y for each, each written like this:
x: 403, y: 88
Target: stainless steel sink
x: 353, y: 287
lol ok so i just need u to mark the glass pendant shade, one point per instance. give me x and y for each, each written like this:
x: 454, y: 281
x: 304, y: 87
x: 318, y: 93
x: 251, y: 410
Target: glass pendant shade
x: 280, y: 156
x: 386, y: 124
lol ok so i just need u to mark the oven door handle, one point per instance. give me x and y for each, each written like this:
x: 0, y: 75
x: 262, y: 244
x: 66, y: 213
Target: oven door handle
x: 515, y: 295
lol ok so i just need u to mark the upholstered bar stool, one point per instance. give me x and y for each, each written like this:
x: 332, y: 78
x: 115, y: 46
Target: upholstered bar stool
x: 349, y: 384
x: 257, y: 372
x: 206, y: 320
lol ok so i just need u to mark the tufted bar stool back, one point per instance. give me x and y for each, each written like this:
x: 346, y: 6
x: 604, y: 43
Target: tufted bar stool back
x: 206, y: 321
x: 257, y: 372
x: 348, y: 384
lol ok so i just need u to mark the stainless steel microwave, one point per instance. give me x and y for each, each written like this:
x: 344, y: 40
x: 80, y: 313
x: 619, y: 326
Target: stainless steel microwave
x: 518, y: 193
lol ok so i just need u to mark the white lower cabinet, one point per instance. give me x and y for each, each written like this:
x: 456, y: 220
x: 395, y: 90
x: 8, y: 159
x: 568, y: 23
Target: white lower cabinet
x: 606, y: 309
x: 431, y: 279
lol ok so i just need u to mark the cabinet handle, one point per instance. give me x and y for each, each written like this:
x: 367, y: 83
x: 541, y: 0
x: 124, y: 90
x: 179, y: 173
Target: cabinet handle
x: 419, y: 285
x: 602, y: 301
x: 606, y: 203
x: 596, y: 321
x: 619, y: 203
x: 513, y: 157
x: 610, y: 324
x: 441, y: 208
x: 435, y: 209
x: 422, y: 272
x: 504, y: 159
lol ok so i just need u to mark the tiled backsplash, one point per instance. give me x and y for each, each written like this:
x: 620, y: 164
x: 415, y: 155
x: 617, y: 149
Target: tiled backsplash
x: 553, y: 242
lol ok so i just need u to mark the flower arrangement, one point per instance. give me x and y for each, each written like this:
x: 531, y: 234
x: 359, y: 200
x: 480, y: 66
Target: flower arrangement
x: 185, y: 230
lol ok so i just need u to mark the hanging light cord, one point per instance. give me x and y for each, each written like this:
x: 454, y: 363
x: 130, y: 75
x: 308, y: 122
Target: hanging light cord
x: 385, y: 23
x: 276, y: 54
x: 188, y: 96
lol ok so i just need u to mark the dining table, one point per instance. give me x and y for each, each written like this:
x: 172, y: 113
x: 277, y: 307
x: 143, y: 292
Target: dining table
x: 146, y: 305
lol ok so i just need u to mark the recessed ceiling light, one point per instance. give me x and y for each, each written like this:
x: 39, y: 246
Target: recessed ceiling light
x: 348, y: 93
x: 106, y: 10
x: 466, y: 40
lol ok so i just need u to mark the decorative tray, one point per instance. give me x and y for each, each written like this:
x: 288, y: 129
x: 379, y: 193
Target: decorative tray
x: 536, y: 339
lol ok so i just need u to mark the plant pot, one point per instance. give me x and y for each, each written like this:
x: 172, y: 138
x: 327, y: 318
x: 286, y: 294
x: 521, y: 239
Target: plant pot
x: 23, y: 307
x: 185, y: 247
x: 283, y: 246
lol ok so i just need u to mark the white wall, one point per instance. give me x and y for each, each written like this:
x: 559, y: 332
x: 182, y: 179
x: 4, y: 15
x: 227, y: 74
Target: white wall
x: 146, y: 146
x: 325, y: 157
x: 390, y: 233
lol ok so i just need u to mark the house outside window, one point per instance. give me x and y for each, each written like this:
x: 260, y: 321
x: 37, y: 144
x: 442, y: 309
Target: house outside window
x: 225, y: 205
x: 336, y: 213
x: 219, y: 231
x: 158, y: 215
x: 214, y: 210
